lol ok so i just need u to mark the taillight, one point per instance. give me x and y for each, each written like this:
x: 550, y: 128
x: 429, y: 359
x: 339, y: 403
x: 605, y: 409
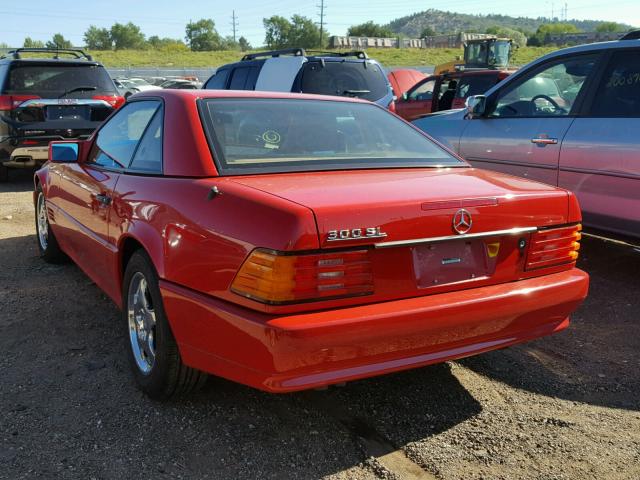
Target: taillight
x: 114, y: 100
x: 275, y: 277
x: 554, y: 246
x: 10, y: 102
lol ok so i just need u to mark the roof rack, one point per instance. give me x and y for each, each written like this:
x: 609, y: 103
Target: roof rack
x: 296, y: 52
x: 633, y: 35
x: 353, y: 53
x: 75, y: 52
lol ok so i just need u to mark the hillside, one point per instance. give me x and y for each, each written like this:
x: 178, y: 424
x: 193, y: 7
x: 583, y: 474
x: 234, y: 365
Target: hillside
x: 451, y: 22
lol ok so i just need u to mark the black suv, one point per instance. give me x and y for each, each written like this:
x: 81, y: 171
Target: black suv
x: 351, y: 74
x: 49, y: 95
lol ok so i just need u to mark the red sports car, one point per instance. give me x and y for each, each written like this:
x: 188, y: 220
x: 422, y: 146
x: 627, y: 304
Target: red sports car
x: 294, y: 241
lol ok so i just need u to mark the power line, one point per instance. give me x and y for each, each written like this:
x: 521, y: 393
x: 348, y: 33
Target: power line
x: 321, y: 7
x: 234, y: 24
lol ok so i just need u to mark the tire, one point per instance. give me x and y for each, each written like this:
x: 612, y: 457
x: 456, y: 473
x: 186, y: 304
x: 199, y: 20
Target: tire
x: 48, y: 246
x: 4, y: 173
x: 152, y: 349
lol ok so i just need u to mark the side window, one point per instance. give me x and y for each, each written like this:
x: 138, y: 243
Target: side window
x: 239, y: 78
x: 475, y: 85
x: 117, y: 140
x: 148, y: 155
x: 218, y: 81
x: 252, y: 78
x: 424, y: 91
x: 618, y: 94
x: 4, y: 69
x: 550, y: 91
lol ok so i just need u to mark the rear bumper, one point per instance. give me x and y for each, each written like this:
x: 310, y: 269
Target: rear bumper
x: 27, y: 157
x: 306, y: 350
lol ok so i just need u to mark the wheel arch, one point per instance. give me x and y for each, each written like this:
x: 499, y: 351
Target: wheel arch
x: 40, y: 179
x: 148, y: 242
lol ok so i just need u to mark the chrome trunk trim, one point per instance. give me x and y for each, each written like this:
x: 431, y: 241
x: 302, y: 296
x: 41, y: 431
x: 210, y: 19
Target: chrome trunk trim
x: 417, y: 241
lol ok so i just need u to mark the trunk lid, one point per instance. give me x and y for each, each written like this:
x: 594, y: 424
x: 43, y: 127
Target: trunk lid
x: 411, y: 204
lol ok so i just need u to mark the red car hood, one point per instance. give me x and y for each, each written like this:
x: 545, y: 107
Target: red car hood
x: 402, y: 80
x: 416, y: 203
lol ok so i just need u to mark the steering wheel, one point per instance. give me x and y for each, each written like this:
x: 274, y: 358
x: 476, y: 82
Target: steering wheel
x: 557, y: 107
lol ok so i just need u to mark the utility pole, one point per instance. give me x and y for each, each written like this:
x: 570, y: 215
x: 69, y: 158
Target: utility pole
x: 566, y: 16
x: 552, y: 12
x: 234, y: 24
x: 321, y: 7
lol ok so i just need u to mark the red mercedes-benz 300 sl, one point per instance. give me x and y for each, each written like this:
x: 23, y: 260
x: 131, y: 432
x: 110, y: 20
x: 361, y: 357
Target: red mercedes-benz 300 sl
x: 289, y: 242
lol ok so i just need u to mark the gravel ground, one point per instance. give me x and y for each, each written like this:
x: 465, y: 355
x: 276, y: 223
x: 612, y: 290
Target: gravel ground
x: 563, y: 407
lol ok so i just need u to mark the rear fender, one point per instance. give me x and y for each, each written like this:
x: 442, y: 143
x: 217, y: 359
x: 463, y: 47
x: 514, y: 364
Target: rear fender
x: 574, y: 214
x: 139, y: 235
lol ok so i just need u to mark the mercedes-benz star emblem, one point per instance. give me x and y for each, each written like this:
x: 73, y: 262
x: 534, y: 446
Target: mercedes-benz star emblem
x: 462, y: 221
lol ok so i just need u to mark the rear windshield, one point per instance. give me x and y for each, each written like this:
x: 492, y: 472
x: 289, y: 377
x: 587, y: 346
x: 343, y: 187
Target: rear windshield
x: 344, y: 78
x: 53, y: 81
x: 475, y: 85
x: 289, y: 135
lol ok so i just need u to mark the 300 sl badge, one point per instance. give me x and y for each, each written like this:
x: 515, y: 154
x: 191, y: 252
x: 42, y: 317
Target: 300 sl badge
x: 355, y: 234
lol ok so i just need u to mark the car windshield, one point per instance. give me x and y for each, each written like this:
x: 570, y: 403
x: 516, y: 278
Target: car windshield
x: 351, y: 79
x: 52, y: 81
x: 287, y: 135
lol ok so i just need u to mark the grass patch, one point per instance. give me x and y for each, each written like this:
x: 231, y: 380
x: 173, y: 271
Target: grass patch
x: 392, y: 57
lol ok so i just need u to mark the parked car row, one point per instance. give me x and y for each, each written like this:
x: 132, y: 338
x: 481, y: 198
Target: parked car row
x: 535, y: 124
x: 261, y: 231
x: 130, y: 86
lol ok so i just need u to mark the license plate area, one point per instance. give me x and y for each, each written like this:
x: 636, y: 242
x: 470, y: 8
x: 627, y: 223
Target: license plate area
x: 453, y: 261
x: 68, y: 112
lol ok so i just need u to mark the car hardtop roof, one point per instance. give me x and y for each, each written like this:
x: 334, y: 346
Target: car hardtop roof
x: 591, y: 47
x: 188, y: 95
x: 301, y: 52
x: 578, y: 49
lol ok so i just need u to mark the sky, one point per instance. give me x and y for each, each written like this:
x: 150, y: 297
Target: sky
x: 40, y: 19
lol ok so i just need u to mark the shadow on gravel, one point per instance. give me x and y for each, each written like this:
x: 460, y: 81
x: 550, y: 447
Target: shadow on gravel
x: 596, y: 360
x: 19, y: 181
x: 69, y: 404
x: 371, y: 417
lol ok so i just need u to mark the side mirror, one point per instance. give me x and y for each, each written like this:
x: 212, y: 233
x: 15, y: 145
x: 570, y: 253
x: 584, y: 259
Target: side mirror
x: 405, y: 96
x: 475, y: 105
x: 64, y: 152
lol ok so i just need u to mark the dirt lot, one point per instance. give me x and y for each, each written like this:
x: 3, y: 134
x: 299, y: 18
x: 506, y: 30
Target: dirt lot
x: 564, y: 407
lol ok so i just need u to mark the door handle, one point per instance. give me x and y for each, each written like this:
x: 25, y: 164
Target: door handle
x: 544, y: 140
x: 104, y: 199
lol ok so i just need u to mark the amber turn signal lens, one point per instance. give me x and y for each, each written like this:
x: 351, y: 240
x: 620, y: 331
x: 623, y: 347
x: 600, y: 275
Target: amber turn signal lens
x: 554, y: 246
x: 276, y: 278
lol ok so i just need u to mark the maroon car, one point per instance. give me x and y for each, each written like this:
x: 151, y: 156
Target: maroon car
x: 446, y: 91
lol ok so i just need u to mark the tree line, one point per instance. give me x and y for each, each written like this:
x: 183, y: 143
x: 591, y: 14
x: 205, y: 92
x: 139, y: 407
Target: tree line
x: 200, y: 36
